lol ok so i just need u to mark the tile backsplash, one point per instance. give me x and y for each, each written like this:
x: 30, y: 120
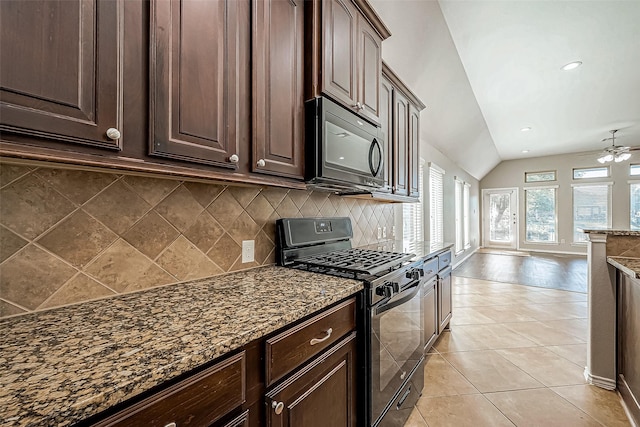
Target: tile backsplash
x: 68, y: 236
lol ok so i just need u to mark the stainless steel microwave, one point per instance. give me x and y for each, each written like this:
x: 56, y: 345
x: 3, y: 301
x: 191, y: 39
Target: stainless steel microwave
x: 343, y: 152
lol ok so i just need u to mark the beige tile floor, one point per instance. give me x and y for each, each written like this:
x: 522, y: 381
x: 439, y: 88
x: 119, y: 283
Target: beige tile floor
x: 515, y: 355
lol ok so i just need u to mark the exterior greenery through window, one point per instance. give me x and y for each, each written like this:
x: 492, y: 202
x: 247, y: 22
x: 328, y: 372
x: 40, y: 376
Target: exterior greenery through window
x: 541, y: 215
x: 584, y: 173
x: 539, y: 176
x: 591, y: 208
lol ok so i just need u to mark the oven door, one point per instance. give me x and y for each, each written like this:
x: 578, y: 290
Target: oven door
x: 396, y: 338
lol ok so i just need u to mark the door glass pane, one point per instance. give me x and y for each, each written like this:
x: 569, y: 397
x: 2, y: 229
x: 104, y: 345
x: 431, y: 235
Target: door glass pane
x: 500, y: 217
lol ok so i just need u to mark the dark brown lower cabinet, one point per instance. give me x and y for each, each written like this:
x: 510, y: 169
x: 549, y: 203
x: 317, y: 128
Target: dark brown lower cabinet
x: 444, y: 299
x: 430, y: 312
x: 629, y: 343
x: 321, y: 394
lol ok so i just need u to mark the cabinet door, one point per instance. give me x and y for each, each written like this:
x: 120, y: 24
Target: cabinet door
x: 61, y: 70
x: 278, y: 102
x: 322, y: 394
x: 430, y: 312
x: 197, y: 79
x: 414, y: 151
x: 386, y: 127
x: 339, y: 23
x: 400, y: 143
x: 444, y: 301
x: 369, y: 69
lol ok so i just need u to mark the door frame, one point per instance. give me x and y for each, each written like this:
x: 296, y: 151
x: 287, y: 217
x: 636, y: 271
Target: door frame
x: 485, y: 220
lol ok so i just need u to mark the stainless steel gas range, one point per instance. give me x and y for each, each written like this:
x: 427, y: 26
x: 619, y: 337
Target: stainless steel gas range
x: 392, y: 335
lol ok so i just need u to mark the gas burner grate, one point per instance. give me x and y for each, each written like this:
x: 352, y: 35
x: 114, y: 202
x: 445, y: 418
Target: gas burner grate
x: 357, y: 261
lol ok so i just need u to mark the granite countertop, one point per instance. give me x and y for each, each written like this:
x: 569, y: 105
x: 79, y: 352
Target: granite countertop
x: 422, y: 249
x: 64, y: 365
x: 610, y: 232
x: 629, y: 266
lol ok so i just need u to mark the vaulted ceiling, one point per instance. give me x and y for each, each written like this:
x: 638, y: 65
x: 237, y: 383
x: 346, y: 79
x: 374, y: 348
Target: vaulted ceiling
x: 487, y: 69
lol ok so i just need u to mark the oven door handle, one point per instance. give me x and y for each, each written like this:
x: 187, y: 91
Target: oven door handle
x: 385, y: 307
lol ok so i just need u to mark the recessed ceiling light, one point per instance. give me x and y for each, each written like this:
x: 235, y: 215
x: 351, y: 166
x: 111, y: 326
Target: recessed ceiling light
x: 572, y: 65
x: 527, y: 129
x: 525, y: 151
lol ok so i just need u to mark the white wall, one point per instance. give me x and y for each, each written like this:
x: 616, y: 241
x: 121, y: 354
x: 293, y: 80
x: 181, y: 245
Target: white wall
x: 510, y: 173
x: 431, y: 154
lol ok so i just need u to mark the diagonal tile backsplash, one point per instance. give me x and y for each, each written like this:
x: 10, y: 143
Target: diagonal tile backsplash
x: 68, y: 236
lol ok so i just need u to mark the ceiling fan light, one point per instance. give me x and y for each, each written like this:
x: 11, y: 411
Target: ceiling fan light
x: 605, y: 158
x: 622, y: 157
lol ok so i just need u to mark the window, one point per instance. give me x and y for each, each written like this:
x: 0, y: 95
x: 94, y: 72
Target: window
x: 412, y: 213
x: 436, y: 203
x: 539, y: 176
x: 634, y: 204
x: 467, y: 224
x: 541, y: 215
x: 459, y: 185
x: 584, y: 173
x: 591, y: 208
x: 462, y: 214
x: 634, y: 170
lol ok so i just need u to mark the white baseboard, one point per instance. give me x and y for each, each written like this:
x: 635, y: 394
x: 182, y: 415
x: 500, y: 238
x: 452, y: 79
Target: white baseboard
x: 554, y: 252
x: 606, y: 383
x: 457, y: 263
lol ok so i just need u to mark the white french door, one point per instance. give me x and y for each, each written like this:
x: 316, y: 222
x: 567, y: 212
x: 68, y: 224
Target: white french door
x: 500, y: 218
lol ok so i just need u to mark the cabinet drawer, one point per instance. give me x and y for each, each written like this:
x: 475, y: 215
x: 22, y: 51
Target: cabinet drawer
x: 430, y: 268
x: 197, y: 401
x: 289, y: 349
x: 444, y: 259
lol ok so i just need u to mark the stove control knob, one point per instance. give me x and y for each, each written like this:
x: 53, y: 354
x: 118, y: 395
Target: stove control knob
x: 384, y: 291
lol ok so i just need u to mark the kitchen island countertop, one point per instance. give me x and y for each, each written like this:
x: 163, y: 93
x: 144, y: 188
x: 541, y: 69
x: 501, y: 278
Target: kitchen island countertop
x: 628, y: 265
x: 63, y: 365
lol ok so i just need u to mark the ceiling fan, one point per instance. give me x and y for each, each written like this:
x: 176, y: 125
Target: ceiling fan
x: 617, y: 153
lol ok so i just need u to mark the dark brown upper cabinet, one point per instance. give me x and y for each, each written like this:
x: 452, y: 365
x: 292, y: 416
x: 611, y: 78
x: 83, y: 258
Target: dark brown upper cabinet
x: 400, y: 114
x: 278, y: 102
x: 61, y: 70
x: 196, y: 80
x: 386, y: 127
x: 345, y: 41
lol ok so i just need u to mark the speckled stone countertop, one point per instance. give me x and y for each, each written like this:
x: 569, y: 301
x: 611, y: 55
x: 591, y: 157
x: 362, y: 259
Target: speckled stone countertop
x: 611, y: 232
x: 629, y: 266
x: 64, y: 365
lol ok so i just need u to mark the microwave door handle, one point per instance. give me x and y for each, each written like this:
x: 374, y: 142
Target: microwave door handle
x: 375, y: 169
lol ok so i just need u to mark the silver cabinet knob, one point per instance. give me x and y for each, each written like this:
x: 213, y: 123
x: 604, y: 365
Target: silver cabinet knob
x: 261, y: 163
x: 113, y: 133
x: 234, y: 158
x: 277, y: 407
x: 358, y: 106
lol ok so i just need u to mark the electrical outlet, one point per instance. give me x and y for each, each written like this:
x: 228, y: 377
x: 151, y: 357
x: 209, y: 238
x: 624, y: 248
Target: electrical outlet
x: 379, y: 233
x: 384, y: 232
x: 393, y: 231
x: 248, y: 249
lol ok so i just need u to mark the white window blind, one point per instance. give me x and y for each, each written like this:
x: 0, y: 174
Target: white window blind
x: 412, y: 229
x: 467, y: 214
x: 436, y: 203
x: 458, y: 186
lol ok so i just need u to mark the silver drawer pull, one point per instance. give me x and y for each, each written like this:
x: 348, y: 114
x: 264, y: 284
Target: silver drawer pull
x: 171, y: 425
x: 318, y: 341
x: 277, y: 407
